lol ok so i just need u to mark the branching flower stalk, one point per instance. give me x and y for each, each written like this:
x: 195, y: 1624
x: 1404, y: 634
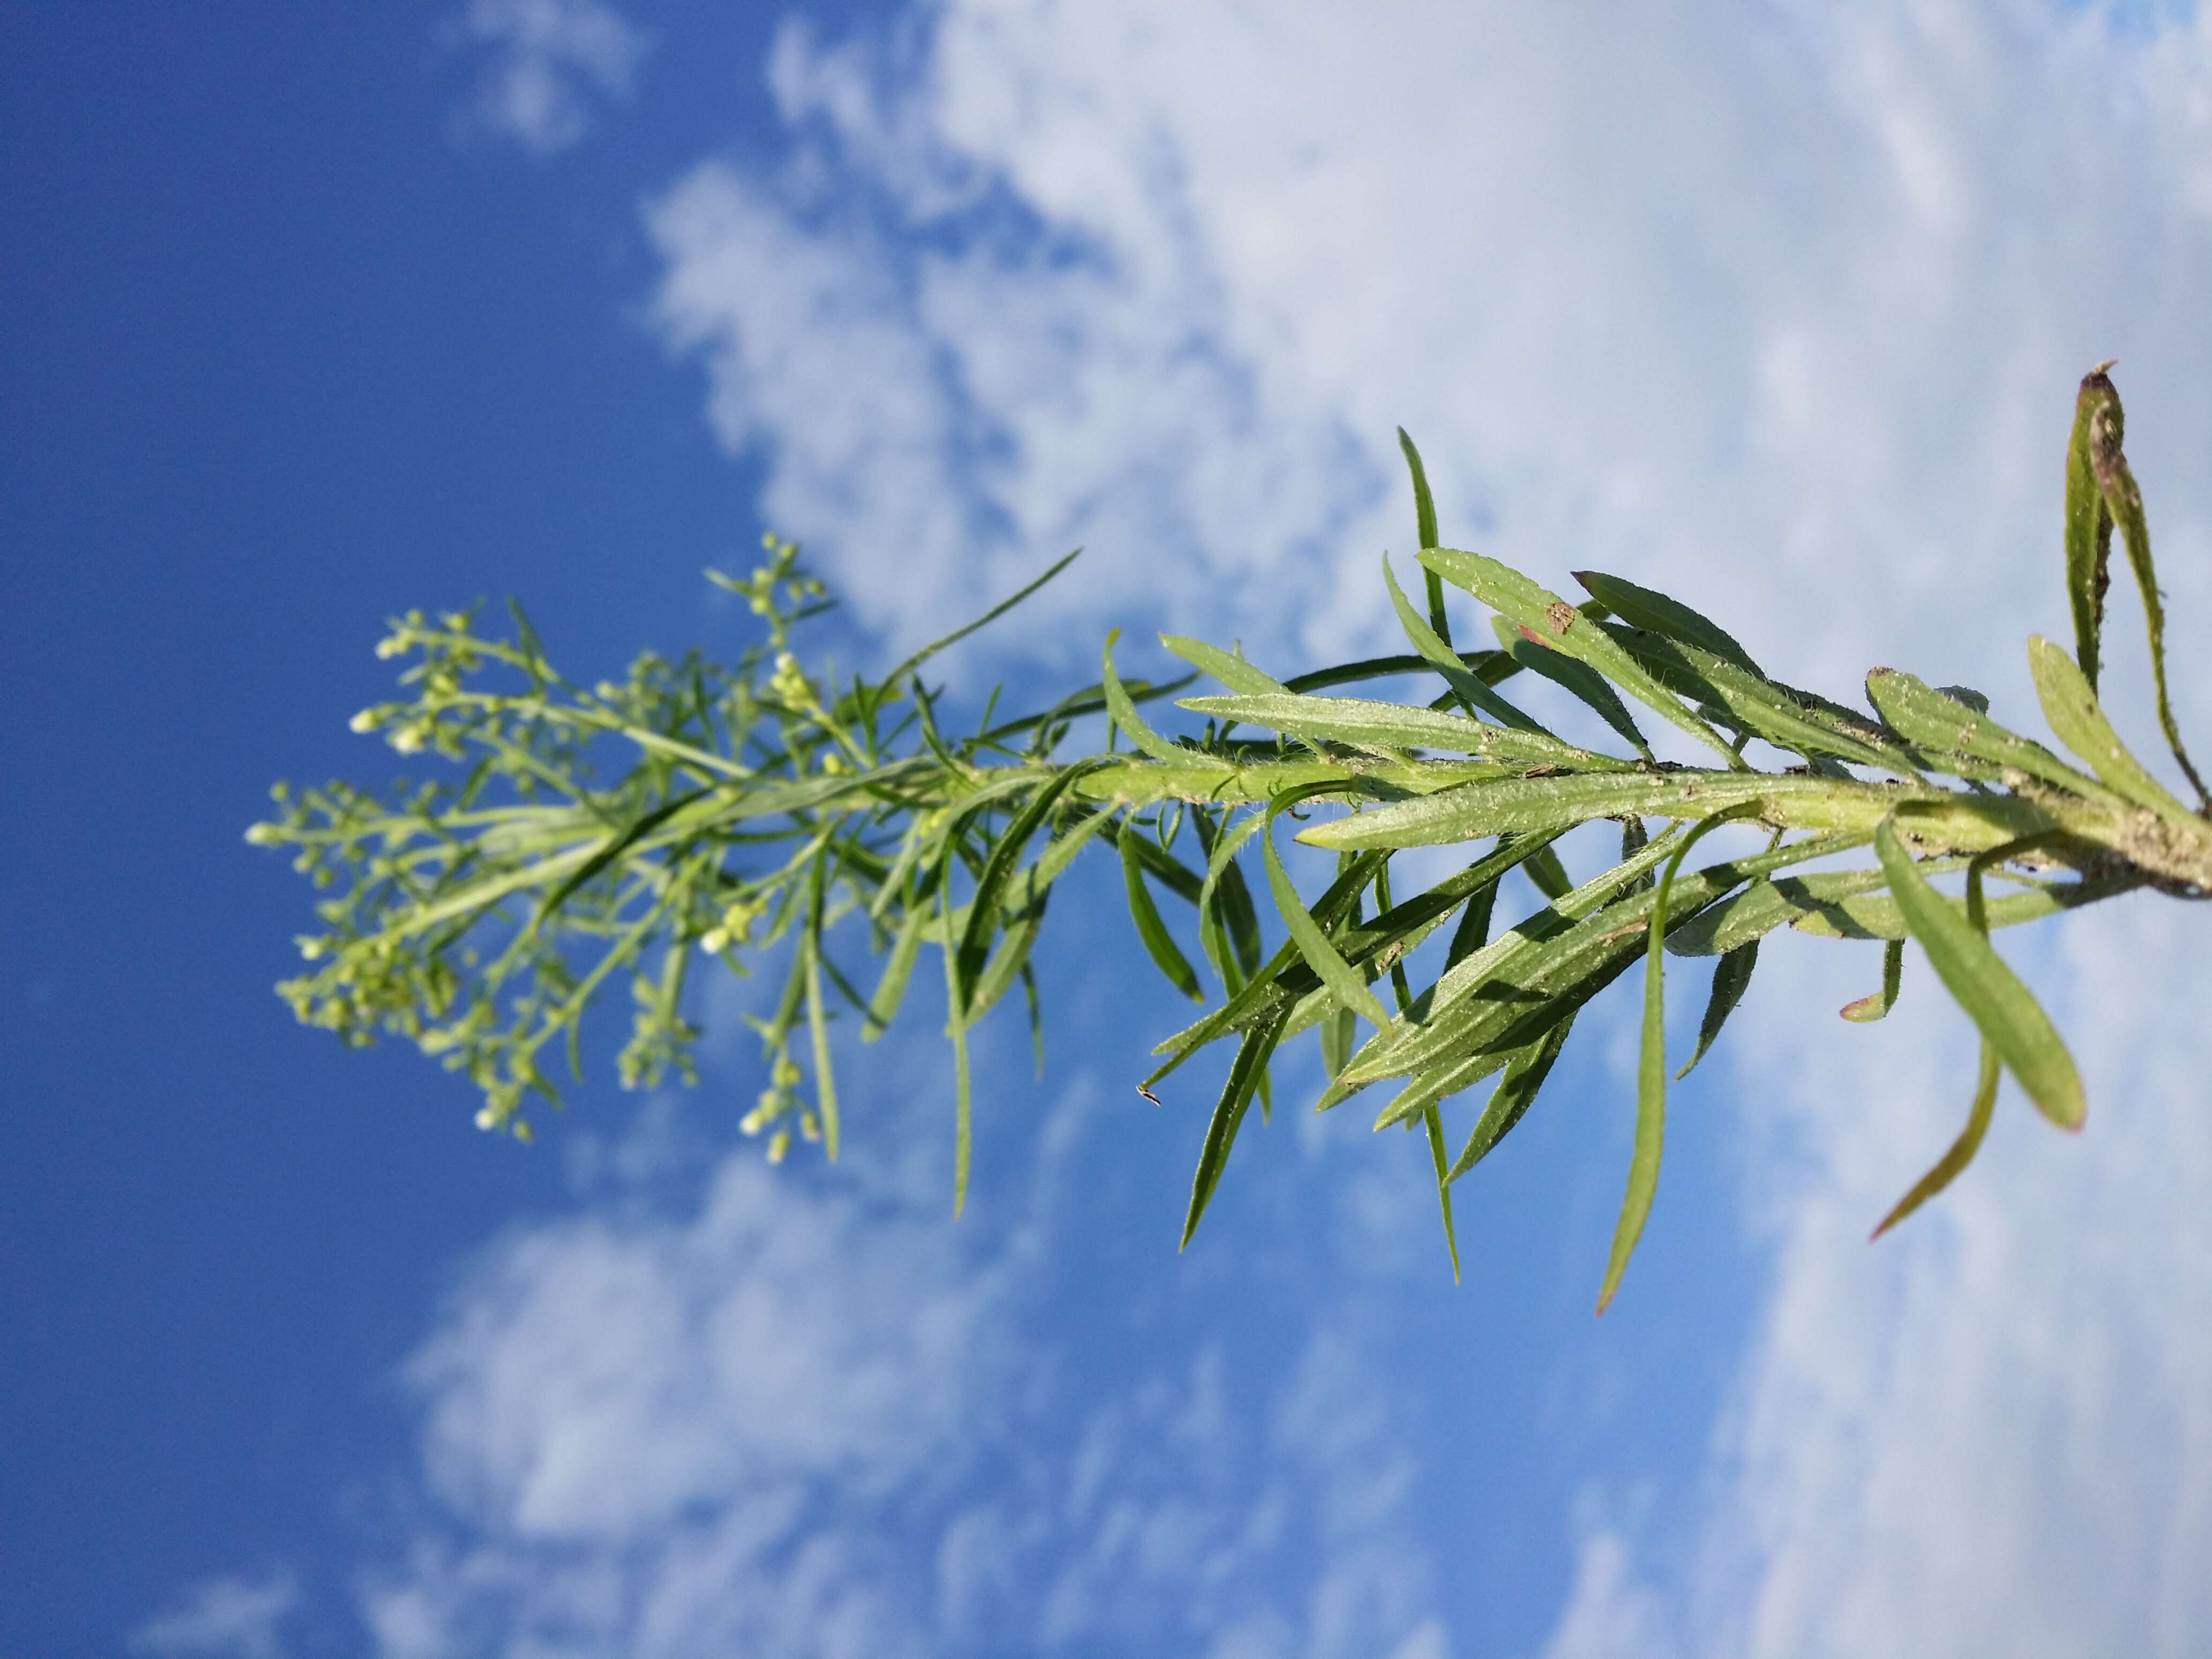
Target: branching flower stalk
x: 757, y: 812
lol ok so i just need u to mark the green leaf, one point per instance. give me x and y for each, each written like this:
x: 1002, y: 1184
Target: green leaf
x: 1731, y: 978
x: 1525, y: 1071
x: 1561, y: 625
x: 1962, y: 1150
x: 1344, y: 983
x: 1389, y: 726
x: 1435, y: 650
x: 1652, y: 1071
x: 1158, y: 943
x: 1990, y: 992
x: 963, y: 1128
x: 1583, y: 682
x: 1545, y: 869
x: 983, y: 909
x: 891, y: 989
x: 1424, y: 532
x: 1006, y: 964
x: 1529, y: 804
x: 1654, y: 613
x: 608, y: 852
x: 2070, y: 705
x: 1473, y: 930
x: 1234, y: 899
x: 1263, y: 991
x: 1489, y: 667
x: 1788, y: 719
x: 1844, y: 904
x: 1933, y: 720
x: 1220, y: 895
x: 1503, y: 997
x: 1338, y: 1030
x: 2088, y: 520
x: 1053, y: 863
x: 1433, y: 1121
x: 1170, y: 872
x: 1124, y: 713
x: 1398, y: 931
x: 818, y: 1028
x: 1868, y: 1009
x: 989, y: 616
x: 1232, y: 671
x: 1244, y: 1075
x: 1482, y: 995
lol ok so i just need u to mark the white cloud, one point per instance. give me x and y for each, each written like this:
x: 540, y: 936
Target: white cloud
x: 234, y: 1618
x: 1782, y: 304
x: 550, y: 61
x: 813, y: 1419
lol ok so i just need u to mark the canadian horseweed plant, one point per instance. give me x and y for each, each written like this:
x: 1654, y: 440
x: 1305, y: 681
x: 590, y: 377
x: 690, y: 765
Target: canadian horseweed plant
x: 761, y: 802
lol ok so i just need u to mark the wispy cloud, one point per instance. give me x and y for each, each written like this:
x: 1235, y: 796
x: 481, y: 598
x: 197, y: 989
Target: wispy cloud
x: 813, y: 1420
x: 547, y: 63
x: 236, y: 1617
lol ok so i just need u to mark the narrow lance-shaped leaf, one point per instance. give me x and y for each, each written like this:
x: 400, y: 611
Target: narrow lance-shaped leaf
x: 1477, y: 999
x: 1652, y: 1071
x: 1435, y: 650
x: 1433, y: 1120
x: 1843, y: 904
x: 1244, y: 1075
x: 818, y: 1028
x: 1513, y: 595
x: 2089, y: 522
x: 1231, y: 670
x: 1990, y: 992
x: 1870, y: 1008
x: 1158, y: 943
x: 1786, y: 719
x: 1961, y: 1151
x: 1424, y: 532
x: 2069, y: 703
x: 1372, y: 724
x: 1218, y: 899
x: 891, y: 989
x: 1533, y: 804
x: 1007, y: 963
x: 983, y: 911
x: 1545, y: 869
x: 1937, y: 720
x: 1579, y: 679
x: 1260, y: 990
x: 1640, y: 607
x: 1516, y: 1090
x: 1125, y: 715
x: 1731, y: 978
x: 1473, y: 930
x: 1345, y: 981
x: 983, y: 621
x: 963, y: 1129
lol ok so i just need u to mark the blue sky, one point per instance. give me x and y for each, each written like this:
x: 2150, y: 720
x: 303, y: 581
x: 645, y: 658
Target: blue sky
x: 312, y: 315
